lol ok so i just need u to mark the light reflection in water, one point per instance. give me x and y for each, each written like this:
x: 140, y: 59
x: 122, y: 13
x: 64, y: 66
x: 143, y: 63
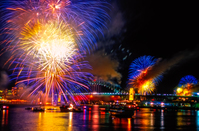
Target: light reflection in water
x: 39, y: 115
x: 89, y: 115
x: 123, y: 123
x: 197, y: 120
x: 50, y: 121
x: 102, y: 117
x: 84, y: 114
x: 179, y: 118
x: 129, y: 124
x: 189, y: 114
x: 95, y: 118
x: 135, y: 114
x: 152, y: 119
x: 40, y: 119
x: 116, y: 122
x: 162, y: 118
x: 108, y: 118
x: 4, y: 117
x: 70, y: 121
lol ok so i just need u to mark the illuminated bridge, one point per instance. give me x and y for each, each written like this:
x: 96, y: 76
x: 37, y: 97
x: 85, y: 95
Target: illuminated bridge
x: 100, y: 91
x: 105, y: 91
x: 101, y: 86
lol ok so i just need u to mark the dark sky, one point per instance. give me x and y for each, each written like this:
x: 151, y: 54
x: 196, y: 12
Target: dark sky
x: 162, y: 29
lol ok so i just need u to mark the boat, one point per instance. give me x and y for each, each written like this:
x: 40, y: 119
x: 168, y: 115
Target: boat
x: 51, y: 108
x: 38, y: 109
x: 70, y: 108
x: 28, y: 108
x: 122, y: 111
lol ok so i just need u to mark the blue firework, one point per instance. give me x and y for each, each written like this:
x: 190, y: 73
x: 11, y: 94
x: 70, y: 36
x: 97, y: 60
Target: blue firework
x: 139, y: 68
x: 189, y: 79
x: 87, y: 18
x: 69, y: 78
x: 141, y: 64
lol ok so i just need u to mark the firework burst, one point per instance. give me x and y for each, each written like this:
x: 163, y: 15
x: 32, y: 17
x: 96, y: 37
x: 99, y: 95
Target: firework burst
x: 48, y: 40
x: 50, y: 60
x: 137, y: 72
x: 86, y: 18
x: 188, y: 81
x: 186, y: 85
x: 53, y: 78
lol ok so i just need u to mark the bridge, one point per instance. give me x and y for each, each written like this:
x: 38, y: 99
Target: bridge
x: 105, y: 91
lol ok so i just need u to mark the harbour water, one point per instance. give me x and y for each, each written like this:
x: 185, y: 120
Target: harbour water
x: 19, y: 119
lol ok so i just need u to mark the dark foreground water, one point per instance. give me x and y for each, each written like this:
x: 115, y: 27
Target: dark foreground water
x: 19, y: 119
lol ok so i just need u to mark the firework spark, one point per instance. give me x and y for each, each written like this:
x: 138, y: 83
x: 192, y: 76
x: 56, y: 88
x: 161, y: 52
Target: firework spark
x: 188, y: 80
x: 138, y: 70
x: 186, y: 85
x: 65, y: 78
x: 51, y: 60
x: 87, y: 18
x: 48, y: 40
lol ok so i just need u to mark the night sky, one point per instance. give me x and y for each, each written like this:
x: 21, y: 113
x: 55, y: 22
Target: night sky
x: 163, y: 29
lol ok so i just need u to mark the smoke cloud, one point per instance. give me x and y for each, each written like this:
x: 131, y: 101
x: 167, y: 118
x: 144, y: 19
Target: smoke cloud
x: 103, y: 67
x: 4, y: 80
x: 165, y: 65
x: 115, y: 27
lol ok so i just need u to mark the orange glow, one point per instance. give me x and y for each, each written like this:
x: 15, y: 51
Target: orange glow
x: 183, y: 91
x: 47, y: 103
x: 179, y: 90
x: 180, y: 119
x: 144, y: 71
x: 47, y: 120
x: 188, y: 85
x: 129, y: 124
x: 103, y: 113
x: 146, y: 86
x: 70, y: 121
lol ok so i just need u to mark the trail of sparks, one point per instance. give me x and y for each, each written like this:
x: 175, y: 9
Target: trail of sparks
x: 138, y: 70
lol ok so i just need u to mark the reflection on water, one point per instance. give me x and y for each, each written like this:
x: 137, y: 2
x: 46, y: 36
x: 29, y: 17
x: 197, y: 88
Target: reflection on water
x: 92, y: 119
x: 129, y: 124
x: 162, y: 119
x: 95, y: 118
x: 4, y: 117
x: 179, y: 119
x: 70, y: 121
x: 197, y: 120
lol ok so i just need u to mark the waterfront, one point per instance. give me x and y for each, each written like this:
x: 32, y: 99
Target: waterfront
x: 19, y: 119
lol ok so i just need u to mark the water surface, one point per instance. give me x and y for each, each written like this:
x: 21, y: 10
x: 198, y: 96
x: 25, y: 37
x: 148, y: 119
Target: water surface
x: 19, y: 119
